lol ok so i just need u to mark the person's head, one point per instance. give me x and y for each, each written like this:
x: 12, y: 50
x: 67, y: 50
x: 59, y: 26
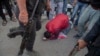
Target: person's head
x: 47, y: 34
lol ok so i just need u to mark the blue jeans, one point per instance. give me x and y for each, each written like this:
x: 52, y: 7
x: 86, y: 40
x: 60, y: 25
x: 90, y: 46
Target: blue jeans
x: 64, y: 6
x: 71, y: 1
x: 67, y: 30
x: 52, y: 6
x: 90, y: 15
x: 80, y: 7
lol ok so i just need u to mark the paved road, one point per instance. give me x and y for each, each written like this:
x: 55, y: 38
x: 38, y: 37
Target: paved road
x: 10, y: 47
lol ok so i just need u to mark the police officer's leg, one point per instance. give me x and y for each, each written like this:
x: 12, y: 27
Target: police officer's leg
x: 36, y: 26
x: 22, y: 47
x: 31, y: 38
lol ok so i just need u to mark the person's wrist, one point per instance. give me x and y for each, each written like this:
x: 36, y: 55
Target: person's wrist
x: 24, y: 12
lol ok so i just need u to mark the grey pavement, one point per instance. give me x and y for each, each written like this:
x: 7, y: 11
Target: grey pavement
x: 10, y: 47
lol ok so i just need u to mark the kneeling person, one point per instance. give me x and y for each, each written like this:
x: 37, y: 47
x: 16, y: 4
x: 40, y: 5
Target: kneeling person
x: 56, y: 26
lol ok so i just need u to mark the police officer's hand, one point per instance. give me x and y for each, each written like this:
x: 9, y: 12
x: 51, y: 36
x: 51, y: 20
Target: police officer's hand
x: 81, y: 44
x: 23, y: 17
x: 48, y: 8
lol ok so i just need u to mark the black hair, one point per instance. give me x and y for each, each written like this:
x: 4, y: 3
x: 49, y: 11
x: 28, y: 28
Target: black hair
x: 47, y: 34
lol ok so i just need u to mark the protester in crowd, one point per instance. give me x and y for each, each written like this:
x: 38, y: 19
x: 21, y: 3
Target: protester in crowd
x: 23, y: 13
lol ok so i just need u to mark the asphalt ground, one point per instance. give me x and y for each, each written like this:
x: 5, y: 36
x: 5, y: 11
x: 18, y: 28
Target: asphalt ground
x: 62, y: 47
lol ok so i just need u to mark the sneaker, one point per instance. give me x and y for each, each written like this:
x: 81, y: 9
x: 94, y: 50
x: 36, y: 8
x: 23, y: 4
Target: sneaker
x: 44, y: 38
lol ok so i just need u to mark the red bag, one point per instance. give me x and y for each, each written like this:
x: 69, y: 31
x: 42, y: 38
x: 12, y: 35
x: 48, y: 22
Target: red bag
x: 60, y: 22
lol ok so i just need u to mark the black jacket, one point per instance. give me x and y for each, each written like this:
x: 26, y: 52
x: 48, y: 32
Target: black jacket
x: 95, y: 3
x: 31, y: 3
x: 84, y: 1
x: 93, y: 36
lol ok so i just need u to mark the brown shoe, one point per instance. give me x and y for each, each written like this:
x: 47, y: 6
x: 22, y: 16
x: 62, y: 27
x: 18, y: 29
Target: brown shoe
x: 4, y: 23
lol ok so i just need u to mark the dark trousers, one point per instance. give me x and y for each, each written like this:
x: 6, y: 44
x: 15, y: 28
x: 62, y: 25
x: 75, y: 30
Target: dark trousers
x: 1, y: 12
x: 37, y: 18
x: 93, y: 51
x: 7, y: 5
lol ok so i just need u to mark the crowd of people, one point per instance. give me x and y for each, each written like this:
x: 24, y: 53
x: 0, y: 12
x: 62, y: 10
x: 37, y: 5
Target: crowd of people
x: 84, y: 18
x: 5, y: 9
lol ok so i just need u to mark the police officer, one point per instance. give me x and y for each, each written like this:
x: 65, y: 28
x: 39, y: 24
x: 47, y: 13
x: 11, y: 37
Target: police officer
x: 24, y: 11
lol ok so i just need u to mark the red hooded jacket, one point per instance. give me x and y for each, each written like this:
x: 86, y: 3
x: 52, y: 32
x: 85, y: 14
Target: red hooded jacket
x: 59, y: 23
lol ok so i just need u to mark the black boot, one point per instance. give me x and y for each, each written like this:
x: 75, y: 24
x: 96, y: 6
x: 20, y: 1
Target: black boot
x: 20, y: 53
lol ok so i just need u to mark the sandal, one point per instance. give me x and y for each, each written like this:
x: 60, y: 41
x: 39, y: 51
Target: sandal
x: 4, y: 23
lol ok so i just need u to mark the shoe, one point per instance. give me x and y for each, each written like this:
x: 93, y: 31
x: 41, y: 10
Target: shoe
x: 44, y: 38
x: 20, y: 53
x: 4, y: 23
x: 77, y: 36
x: 32, y: 53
